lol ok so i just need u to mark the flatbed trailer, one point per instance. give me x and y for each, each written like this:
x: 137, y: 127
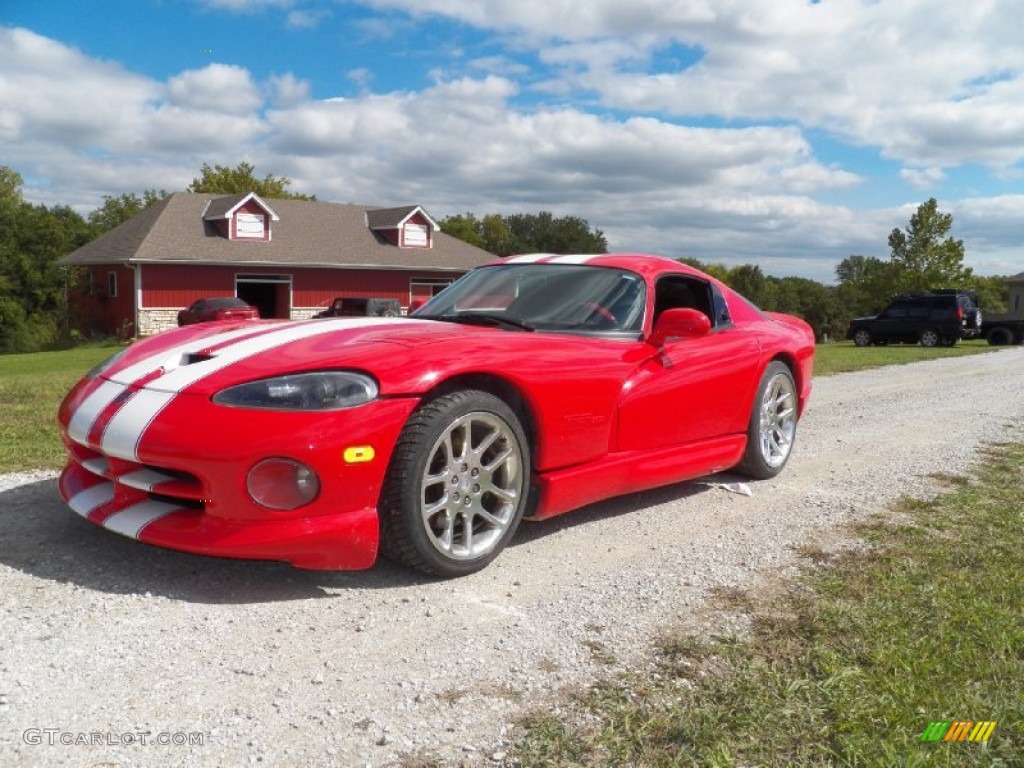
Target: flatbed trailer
x: 1000, y: 330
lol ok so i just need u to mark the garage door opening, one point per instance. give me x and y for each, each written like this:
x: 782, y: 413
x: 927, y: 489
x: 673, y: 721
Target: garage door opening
x: 270, y: 294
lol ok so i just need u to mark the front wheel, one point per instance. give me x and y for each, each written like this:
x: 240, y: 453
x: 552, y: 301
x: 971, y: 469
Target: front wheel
x: 772, y: 427
x: 930, y: 338
x: 862, y: 337
x: 456, y: 486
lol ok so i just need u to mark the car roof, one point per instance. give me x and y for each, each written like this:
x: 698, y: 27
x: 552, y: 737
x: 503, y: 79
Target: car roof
x: 645, y: 264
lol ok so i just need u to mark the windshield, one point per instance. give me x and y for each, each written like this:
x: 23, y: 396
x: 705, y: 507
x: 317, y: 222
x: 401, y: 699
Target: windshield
x: 548, y: 297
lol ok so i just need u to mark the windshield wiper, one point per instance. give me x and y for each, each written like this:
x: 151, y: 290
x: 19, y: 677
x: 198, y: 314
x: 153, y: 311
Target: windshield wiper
x: 483, y: 318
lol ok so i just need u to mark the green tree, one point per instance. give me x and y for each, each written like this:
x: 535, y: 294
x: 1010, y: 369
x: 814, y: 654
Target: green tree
x: 993, y: 293
x: 543, y: 233
x: 526, y: 233
x: 117, y: 210
x: 497, y: 237
x: 923, y: 254
x: 240, y: 180
x: 465, y: 227
x: 866, y: 284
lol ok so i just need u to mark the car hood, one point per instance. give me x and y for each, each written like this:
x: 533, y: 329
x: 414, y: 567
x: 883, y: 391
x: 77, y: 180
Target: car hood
x: 405, y: 355
x: 864, y: 319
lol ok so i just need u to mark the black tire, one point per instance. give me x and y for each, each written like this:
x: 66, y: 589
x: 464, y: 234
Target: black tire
x: 770, y: 439
x: 862, y: 337
x: 999, y: 336
x: 449, y: 459
x: 930, y: 338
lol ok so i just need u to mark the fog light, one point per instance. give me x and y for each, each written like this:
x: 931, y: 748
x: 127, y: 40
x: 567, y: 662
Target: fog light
x: 282, y: 484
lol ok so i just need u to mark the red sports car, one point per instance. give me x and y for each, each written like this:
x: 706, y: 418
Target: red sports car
x: 528, y: 388
x: 220, y: 308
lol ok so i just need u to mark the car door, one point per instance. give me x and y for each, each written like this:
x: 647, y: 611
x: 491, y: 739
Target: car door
x: 691, y: 389
x: 893, y: 323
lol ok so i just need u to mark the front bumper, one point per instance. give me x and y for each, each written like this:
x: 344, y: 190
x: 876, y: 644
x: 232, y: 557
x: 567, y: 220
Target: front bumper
x: 186, y: 488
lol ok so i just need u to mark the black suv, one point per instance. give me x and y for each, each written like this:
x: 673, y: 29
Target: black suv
x: 349, y: 306
x: 936, y: 318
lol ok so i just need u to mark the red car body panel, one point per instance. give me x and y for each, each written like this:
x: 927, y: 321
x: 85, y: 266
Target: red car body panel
x: 152, y: 456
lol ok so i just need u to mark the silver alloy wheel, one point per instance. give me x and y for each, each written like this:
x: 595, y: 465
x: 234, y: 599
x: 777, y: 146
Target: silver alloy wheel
x: 471, y: 486
x: 778, y: 420
x: 862, y: 337
x: 929, y: 338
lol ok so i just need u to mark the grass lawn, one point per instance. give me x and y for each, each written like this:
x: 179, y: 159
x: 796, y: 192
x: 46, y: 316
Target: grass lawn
x: 31, y: 388
x: 843, y: 356
x: 850, y: 666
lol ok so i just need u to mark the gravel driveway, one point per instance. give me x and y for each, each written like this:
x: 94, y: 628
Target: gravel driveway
x: 106, y: 643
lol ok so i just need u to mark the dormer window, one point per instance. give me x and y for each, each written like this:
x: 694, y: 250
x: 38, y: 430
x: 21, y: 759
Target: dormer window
x: 406, y: 227
x: 241, y: 217
x: 249, y: 225
x: 415, y: 236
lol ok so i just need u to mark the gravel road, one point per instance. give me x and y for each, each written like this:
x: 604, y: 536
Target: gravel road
x: 106, y: 643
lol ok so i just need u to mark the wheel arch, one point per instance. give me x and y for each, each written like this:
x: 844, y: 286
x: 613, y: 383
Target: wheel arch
x: 501, y: 388
x: 794, y: 370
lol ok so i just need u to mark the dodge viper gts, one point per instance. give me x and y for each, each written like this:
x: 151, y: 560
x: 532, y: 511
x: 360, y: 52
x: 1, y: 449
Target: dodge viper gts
x: 528, y: 388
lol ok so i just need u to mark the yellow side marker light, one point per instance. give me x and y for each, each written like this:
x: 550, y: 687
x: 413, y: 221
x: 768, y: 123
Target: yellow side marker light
x: 359, y: 454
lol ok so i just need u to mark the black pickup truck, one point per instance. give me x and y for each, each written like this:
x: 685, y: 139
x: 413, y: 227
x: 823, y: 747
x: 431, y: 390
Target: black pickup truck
x: 1000, y: 330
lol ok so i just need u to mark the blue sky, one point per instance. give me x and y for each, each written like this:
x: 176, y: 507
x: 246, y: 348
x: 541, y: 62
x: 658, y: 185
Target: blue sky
x: 784, y: 133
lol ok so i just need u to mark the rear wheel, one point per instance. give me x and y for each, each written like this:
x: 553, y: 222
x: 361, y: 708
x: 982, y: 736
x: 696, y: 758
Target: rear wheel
x: 457, y: 485
x: 772, y: 427
x: 862, y: 337
x: 1000, y: 336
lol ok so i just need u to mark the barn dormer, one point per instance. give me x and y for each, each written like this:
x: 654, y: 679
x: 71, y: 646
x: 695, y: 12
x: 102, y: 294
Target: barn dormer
x: 407, y: 227
x: 241, y: 217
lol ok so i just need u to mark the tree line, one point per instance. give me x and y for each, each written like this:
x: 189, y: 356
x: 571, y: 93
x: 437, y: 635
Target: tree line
x: 33, y: 238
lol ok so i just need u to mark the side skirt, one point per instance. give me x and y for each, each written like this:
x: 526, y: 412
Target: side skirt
x: 621, y: 473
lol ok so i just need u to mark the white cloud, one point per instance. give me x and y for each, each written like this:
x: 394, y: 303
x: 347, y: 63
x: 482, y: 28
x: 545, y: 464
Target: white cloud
x: 287, y: 90
x: 78, y: 128
x: 928, y: 82
x: 217, y: 88
x: 306, y: 19
x: 922, y: 178
x: 244, y: 6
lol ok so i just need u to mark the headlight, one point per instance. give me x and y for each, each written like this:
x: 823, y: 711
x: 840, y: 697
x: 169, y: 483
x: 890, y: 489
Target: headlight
x: 321, y: 391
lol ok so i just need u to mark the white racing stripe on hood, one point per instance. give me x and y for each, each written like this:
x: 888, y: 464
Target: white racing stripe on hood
x: 87, y: 413
x: 122, y: 435
x: 131, y: 521
x: 91, y: 408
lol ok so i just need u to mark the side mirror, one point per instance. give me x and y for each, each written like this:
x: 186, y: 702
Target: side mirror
x: 680, y: 323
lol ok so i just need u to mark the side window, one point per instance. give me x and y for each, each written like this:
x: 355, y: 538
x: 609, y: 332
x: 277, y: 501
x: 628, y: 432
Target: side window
x: 896, y: 309
x: 721, y: 317
x: 683, y: 291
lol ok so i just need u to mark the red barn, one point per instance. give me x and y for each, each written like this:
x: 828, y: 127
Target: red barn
x: 289, y: 259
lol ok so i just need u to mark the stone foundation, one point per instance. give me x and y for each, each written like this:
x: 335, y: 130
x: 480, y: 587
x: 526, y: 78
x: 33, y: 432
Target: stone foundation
x: 156, y: 320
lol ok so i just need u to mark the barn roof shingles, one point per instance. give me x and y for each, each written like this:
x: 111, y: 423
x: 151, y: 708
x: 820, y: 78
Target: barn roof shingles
x: 308, y: 234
